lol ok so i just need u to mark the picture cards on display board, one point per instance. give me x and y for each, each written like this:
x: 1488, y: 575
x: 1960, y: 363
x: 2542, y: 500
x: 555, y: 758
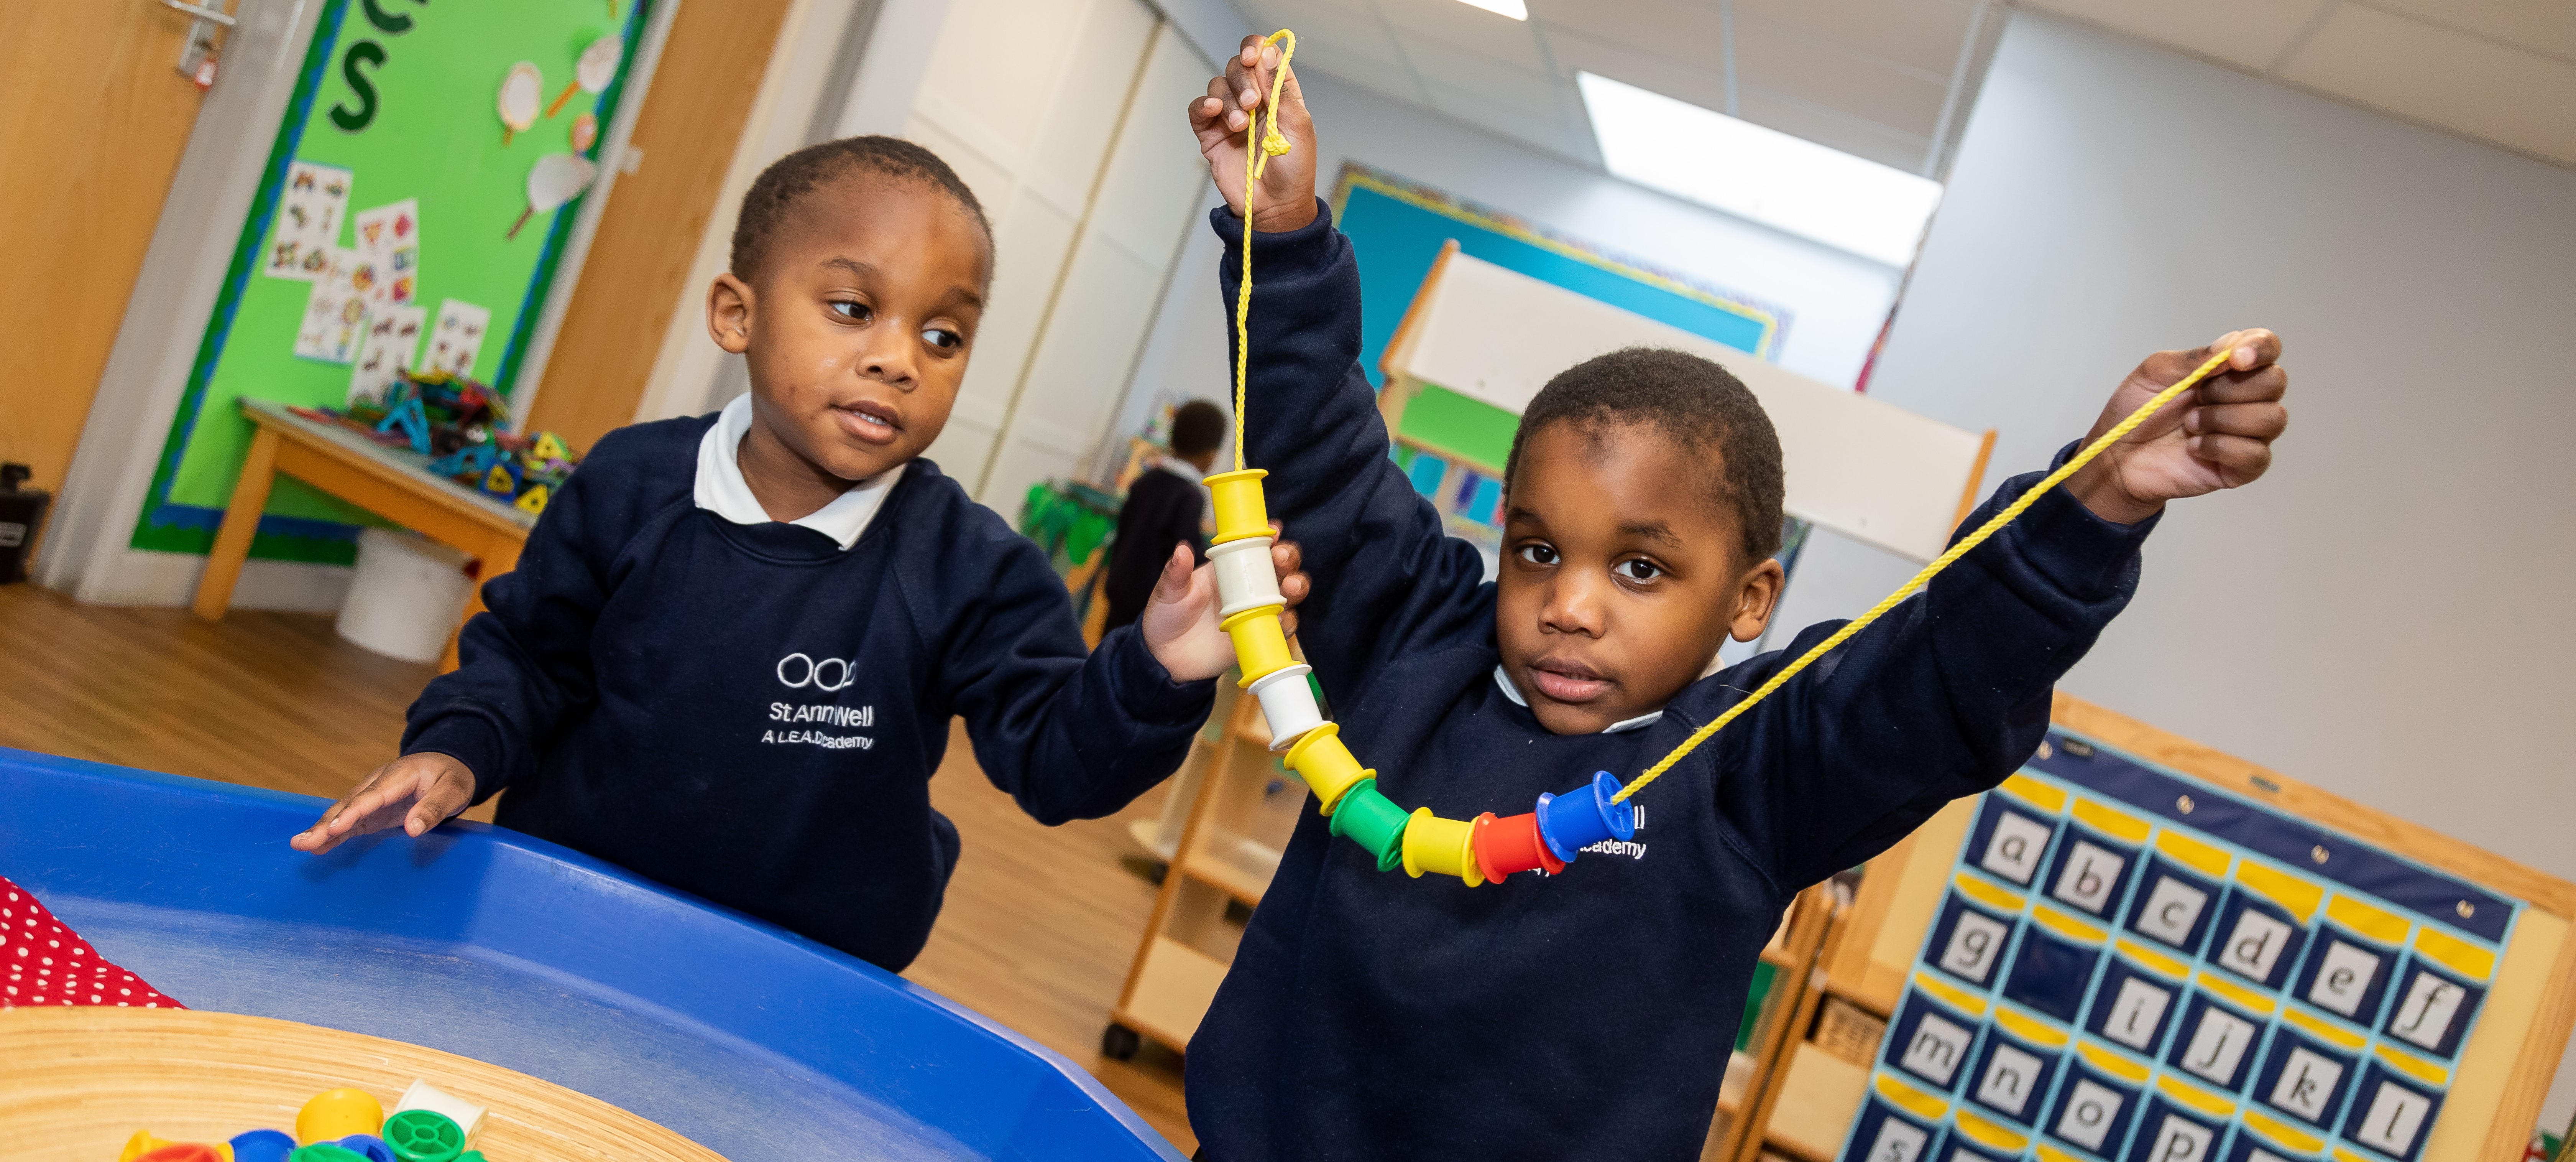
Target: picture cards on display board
x: 308, y: 222
x: 335, y: 313
x: 458, y: 339
x: 392, y: 344
x: 389, y: 240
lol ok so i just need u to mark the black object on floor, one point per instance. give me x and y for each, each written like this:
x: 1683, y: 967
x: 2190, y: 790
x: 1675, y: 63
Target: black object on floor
x: 22, y: 515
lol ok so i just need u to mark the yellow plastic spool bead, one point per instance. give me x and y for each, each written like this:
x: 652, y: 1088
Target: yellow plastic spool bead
x: 1260, y: 646
x: 336, y: 1114
x: 1240, y: 510
x: 1446, y: 846
x: 140, y: 1144
x: 1326, y: 765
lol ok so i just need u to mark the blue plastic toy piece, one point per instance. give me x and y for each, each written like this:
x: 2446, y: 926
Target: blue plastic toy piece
x: 263, y: 1146
x: 413, y: 422
x: 474, y: 458
x: 368, y: 1144
x: 1570, y: 822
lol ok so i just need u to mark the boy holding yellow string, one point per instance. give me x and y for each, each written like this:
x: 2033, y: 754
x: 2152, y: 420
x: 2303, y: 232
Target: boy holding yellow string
x: 1591, y: 1014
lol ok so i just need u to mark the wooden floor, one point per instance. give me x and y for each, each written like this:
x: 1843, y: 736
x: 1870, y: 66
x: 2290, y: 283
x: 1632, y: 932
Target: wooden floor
x: 1040, y: 925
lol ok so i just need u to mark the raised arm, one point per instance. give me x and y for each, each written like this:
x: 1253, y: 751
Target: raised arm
x: 1385, y: 577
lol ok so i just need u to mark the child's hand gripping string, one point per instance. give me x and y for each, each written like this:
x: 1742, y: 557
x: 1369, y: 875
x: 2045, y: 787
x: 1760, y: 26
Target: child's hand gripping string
x: 1286, y: 197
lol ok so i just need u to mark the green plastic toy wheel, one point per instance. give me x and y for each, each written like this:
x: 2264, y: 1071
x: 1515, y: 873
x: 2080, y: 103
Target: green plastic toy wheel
x: 325, y: 1152
x: 423, y: 1136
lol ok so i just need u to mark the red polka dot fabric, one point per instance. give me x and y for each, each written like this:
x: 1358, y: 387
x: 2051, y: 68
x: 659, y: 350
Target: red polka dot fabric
x: 44, y: 962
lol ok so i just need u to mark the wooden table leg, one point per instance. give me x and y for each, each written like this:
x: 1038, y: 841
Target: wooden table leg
x: 241, y: 523
x: 498, y: 557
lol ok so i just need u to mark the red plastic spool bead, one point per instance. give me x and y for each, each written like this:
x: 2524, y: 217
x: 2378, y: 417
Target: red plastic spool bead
x: 1504, y: 846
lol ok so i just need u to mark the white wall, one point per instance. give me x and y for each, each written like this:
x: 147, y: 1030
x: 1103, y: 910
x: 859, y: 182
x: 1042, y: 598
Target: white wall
x: 2383, y: 616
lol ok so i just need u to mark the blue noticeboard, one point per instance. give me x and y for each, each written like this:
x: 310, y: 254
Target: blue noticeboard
x: 748, y: 1040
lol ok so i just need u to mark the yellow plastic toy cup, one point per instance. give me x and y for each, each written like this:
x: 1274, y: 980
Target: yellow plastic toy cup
x: 1326, y: 765
x: 1288, y: 705
x: 336, y: 1114
x: 1259, y: 645
x: 1244, y: 576
x: 1240, y: 511
x: 1446, y: 846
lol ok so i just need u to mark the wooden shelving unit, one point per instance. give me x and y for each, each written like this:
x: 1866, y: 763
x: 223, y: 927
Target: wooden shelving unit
x: 1242, y: 807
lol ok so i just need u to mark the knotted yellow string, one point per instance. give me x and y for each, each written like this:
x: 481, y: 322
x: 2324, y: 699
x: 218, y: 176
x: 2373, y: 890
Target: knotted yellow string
x: 1256, y: 161
x: 1972, y: 540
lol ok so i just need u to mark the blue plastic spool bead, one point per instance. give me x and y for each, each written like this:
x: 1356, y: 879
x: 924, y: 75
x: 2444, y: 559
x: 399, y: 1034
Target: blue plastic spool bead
x: 262, y: 1146
x: 1570, y: 822
x: 368, y: 1144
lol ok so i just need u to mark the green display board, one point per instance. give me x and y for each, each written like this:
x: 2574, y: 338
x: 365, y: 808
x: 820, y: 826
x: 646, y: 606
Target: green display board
x: 399, y: 104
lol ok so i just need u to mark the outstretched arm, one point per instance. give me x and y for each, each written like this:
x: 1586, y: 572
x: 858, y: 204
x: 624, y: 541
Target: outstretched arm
x: 1949, y: 693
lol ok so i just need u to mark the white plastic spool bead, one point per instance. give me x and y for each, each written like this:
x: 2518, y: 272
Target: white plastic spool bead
x: 1244, y: 576
x: 1288, y: 704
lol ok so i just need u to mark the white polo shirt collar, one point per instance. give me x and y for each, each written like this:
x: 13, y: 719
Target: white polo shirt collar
x: 722, y: 490
x: 1512, y: 692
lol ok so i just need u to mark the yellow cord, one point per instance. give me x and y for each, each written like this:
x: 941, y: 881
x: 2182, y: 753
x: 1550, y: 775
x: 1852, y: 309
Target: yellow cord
x: 1972, y: 540
x: 1256, y: 161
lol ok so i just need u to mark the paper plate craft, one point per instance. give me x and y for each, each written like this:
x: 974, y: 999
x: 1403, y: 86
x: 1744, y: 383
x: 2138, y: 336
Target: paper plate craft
x: 557, y: 178
x: 597, y: 67
x: 520, y: 92
x: 585, y: 132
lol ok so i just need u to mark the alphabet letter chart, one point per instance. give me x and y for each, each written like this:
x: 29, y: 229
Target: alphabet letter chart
x: 2130, y: 964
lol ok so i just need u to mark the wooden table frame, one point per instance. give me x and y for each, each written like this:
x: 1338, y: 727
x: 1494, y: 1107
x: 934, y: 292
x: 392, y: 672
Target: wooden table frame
x: 381, y: 480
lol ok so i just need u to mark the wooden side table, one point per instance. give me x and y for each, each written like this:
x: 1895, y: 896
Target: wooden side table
x: 389, y: 482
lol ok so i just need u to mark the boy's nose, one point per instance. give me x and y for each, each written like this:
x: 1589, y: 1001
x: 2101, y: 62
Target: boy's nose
x: 1572, y: 608
x: 888, y: 363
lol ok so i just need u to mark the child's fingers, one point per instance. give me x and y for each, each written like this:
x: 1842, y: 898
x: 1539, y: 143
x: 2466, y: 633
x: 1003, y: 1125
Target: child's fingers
x: 2262, y: 421
x: 2239, y: 459
x: 2264, y: 384
x: 440, y: 800
x: 1174, y: 584
x: 2249, y: 348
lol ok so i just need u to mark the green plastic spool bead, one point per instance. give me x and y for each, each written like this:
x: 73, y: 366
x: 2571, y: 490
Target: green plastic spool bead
x: 423, y: 1136
x: 1367, y: 818
x: 325, y: 1152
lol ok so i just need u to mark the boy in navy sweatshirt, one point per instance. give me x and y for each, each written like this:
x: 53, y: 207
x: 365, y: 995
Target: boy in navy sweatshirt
x: 1589, y: 1015
x: 728, y: 656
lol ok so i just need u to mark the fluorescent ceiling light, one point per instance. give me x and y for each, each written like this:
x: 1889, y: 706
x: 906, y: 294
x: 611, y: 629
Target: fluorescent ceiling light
x: 1784, y: 182
x: 1511, y: 8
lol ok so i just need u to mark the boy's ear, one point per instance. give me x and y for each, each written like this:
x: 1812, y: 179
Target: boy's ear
x: 1756, y: 598
x: 729, y: 301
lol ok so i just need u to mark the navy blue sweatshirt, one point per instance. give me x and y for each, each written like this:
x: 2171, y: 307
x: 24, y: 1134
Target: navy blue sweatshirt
x: 752, y: 713
x: 1588, y: 1015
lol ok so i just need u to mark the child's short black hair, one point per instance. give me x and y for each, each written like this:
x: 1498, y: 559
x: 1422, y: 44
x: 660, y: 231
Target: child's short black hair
x: 1692, y: 401
x: 765, y: 206
x: 1197, y: 427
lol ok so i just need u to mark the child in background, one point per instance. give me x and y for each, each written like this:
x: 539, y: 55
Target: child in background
x: 729, y: 654
x: 1590, y: 1015
x: 1163, y: 509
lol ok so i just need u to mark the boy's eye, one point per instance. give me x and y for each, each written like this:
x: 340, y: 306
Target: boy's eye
x: 1637, y: 569
x: 942, y: 338
x: 1538, y: 554
x: 854, y: 311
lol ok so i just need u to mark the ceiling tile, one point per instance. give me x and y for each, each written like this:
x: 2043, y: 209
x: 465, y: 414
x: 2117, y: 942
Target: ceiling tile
x: 2543, y: 26
x: 1920, y: 34
x: 1452, y: 76
x: 1836, y: 78
x: 1398, y: 83
x: 2250, y: 34
x: 1690, y: 32
x: 1569, y: 142
x: 2517, y: 99
x: 1472, y: 29
x: 1827, y: 127
x: 1704, y: 87
x: 1333, y: 39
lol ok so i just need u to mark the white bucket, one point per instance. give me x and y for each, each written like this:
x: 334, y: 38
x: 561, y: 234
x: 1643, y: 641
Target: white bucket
x: 1287, y: 704
x: 1244, y: 576
x: 407, y: 597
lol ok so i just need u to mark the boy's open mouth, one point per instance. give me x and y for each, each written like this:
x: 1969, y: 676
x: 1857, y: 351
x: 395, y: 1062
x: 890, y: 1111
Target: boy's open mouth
x: 1565, y: 680
x: 869, y: 420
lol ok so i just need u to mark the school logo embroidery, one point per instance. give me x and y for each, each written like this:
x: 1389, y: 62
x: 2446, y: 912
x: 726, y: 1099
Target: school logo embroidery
x: 797, y: 671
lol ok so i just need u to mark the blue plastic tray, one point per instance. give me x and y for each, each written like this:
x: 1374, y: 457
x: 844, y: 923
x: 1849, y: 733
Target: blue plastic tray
x: 752, y: 1041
